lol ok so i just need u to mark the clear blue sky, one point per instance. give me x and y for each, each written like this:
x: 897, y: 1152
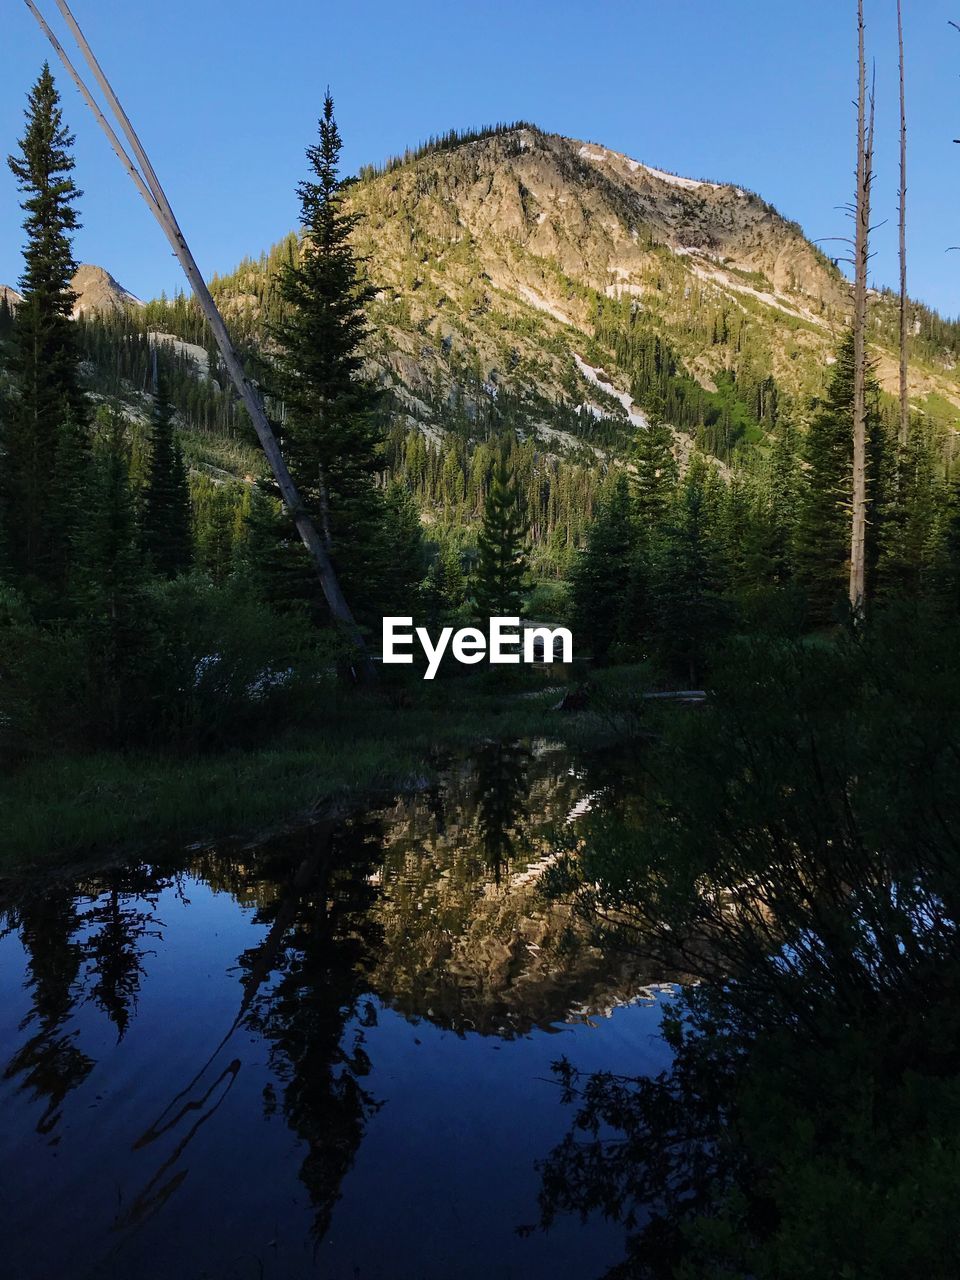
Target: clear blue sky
x: 225, y: 94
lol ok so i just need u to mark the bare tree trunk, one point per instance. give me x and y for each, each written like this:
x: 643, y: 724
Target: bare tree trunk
x: 147, y: 183
x: 904, y: 403
x: 861, y: 263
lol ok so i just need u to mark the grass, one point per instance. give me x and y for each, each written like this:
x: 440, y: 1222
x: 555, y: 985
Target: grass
x: 62, y: 809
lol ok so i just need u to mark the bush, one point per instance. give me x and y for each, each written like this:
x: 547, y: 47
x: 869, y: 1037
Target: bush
x: 227, y: 665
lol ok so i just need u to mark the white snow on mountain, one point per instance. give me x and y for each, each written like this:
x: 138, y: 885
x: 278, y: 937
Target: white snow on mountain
x: 636, y: 416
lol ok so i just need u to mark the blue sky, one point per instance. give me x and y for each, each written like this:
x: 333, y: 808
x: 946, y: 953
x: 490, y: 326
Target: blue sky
x: 225, y: 94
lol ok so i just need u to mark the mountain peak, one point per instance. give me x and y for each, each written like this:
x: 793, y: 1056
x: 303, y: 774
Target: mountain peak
x: 97, y: 292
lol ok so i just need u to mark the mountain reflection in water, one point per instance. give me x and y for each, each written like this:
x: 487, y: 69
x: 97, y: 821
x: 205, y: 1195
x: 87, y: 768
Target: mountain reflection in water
x: 326, y: 1055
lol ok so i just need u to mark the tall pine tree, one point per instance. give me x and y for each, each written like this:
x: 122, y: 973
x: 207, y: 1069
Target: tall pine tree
x: 165, y: 521
x: 502, y: 561
x: 331, y: 436
x: 608, y: 573
x: 49, y: 412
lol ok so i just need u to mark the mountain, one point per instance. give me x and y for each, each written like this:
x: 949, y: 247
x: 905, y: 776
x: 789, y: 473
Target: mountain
x: 97, y: 292
x: 539, y: 284
x: 538, y: 279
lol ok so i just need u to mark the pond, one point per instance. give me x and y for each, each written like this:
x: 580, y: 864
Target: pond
x: 328, y: 1055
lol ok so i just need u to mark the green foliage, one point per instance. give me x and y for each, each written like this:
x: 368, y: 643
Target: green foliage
x: 166, y: 519
x: 688, y: 576
x: 798, y: 856
x: 331, y: 435
x: 444, y: 588
x: 403, y: 558
x: 823, y: 519
x: 603, y: 573
x: 47, y: 413
x: 227, y: 666
x: 497, y: 586
x: 107, y: 595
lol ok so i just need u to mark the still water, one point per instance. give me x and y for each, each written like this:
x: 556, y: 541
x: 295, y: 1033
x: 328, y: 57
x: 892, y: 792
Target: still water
x: 326, y: 1056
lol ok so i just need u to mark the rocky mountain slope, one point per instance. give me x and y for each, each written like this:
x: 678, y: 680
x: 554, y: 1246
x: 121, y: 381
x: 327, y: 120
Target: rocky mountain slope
x: 553, y: 286
x: 518, y: 271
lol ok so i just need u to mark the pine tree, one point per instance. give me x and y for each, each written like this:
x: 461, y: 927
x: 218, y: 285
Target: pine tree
x: 331, y: 436
x: 6, y: 324
x: 166, y: 521
x: 691, y: 614
x: 443, y: 589
x: 273, y: 557
x: 784, y: 487
x: 106, y: 587
x: 823, y: 520
x: 38, y: 526
x: 502, y: 562
x: 607, y: 576
x: 910, y: 530
x: 404, y: 557
x: 655, y: 480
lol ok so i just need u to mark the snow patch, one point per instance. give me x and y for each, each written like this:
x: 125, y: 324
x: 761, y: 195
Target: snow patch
x: 636, y: 416
x: 688, y: 184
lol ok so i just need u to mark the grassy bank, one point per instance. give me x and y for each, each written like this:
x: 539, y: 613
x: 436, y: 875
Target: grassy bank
x: 63, y: 808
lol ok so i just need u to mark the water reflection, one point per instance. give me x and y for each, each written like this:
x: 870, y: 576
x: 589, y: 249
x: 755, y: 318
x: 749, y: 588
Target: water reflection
x: 79, y: 943
x: 242, y: 988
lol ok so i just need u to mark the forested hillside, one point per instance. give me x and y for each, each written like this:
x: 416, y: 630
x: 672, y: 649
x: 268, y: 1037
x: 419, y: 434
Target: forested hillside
x: 532, y: 290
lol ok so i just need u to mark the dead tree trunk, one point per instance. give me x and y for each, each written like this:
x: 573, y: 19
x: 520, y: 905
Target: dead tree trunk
x: 861, y: 263
x: 148, y: 184
x: 904, y: 403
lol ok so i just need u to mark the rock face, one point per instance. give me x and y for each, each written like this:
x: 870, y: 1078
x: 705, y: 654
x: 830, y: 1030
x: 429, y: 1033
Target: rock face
x: 98, y: 293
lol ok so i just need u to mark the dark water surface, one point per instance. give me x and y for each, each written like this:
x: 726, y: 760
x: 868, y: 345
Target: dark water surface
x: 328, y: 1056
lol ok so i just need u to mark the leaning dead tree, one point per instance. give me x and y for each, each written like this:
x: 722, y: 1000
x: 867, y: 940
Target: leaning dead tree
x: 904, y: 404
x: 144, y: 178
x: 861, y: 254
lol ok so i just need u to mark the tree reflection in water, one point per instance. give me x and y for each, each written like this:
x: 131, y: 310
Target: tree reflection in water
x: 75, y: 954
x: 500, y: 794
x: 321, y: 941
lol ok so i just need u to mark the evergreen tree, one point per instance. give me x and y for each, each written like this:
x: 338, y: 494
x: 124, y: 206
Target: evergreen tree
x: 910, y: 531
x: 655, y: 480
x: 6, y: 324
x: 107, y: 591
x: 784, y: 487
x: 166, y: 520
x: 49, y: 410
x: 823, y: 519
x: 273, y: 556
x: 689, y: 578
x: 443, y: 589
x: 607, y: 573
x: 331, y: 436
x: 502, y: 561
x: 404, y: 557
